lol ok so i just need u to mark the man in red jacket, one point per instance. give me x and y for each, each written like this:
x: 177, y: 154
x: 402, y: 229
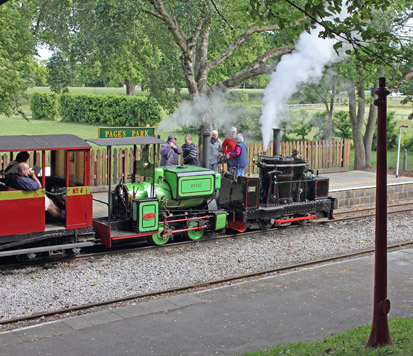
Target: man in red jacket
x: 229, y: 144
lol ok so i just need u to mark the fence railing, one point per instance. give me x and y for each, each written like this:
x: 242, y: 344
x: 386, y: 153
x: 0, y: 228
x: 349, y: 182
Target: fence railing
x: 320, y: 154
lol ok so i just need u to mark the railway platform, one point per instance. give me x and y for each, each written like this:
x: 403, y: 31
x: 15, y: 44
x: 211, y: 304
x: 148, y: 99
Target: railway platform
x: 358, y: 188
x: 228, y: 320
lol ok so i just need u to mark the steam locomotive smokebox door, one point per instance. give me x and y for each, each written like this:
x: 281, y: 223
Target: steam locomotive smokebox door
x: 190, y: 181
x: 145, y: 214
x: 318, y: 188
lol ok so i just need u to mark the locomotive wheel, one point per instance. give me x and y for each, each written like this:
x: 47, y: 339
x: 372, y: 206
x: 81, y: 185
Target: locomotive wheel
x: 158, y: 239
x: 302, y: 222
x: 265, y: 224
x: 286, y: 223
x: 194, y: 235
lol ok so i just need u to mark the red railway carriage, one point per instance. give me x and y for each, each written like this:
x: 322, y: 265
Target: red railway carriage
x: 65, y: 178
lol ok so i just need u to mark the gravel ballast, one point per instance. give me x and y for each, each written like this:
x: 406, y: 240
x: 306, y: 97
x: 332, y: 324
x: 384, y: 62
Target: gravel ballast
x: 36, y: 289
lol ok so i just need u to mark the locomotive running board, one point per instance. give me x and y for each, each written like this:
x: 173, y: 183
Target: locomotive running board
x: 45, y: 249
x: 107, y: 235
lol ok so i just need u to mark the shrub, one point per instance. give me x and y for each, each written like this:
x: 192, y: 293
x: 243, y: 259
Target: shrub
x: 392, y: 132
x: 110, y: 110
x: 237, y: 96
x: 44, y: 106
x: 407, y: 143
x: 342, y: 124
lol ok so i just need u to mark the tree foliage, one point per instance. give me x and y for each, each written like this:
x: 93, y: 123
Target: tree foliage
x: 17, y: 47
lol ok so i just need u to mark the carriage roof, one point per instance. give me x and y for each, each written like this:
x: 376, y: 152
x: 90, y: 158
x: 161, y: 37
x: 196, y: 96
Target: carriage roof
x: 41, y: 142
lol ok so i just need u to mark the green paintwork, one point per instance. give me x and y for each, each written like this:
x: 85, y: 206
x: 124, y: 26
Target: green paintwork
x: 221, y: 221
x: 158, y: 238
x: 190, y: 181
x: 143, y: 190
x: 108, y: 132
x: 194, y: 235
x: 149, y: 208
x: 217, y: 181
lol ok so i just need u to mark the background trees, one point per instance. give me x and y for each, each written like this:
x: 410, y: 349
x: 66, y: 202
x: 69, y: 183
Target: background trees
x: 205, y: 46
x: 17, y: 48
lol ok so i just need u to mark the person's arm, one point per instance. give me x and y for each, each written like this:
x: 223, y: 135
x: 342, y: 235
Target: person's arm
x: 236, y: 153
x: 33, y: 176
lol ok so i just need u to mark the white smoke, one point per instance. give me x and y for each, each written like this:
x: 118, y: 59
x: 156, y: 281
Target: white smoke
x: 304, y: 65
x: 210, y: 109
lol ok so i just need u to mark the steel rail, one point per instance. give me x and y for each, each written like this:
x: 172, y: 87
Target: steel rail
x: 196, y: 286
x: 183, y: 243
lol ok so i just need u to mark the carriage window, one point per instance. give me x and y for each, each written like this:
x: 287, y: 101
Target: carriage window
x: 76, y: 168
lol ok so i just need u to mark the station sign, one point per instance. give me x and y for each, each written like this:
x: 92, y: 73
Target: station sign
x: 110, y: 132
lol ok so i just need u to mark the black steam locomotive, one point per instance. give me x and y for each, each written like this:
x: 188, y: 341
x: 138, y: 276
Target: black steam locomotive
x: 286, y: 191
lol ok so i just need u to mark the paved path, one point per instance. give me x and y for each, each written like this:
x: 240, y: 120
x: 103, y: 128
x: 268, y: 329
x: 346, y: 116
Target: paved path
x: 303, y: 305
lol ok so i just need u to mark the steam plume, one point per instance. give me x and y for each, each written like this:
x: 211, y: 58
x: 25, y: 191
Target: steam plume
x: 304, y: 65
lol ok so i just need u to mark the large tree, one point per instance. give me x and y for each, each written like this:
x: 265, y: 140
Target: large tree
x: 17, y: 48
x: 214, y: 36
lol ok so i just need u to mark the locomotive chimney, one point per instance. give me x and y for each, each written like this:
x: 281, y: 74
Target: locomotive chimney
x: 276, y: 141
x: 205, y: 149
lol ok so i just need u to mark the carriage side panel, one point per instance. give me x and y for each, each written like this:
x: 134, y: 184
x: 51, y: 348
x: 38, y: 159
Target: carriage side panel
x: 22, y: 212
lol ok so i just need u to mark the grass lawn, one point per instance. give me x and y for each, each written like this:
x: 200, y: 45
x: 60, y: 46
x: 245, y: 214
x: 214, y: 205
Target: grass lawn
x: 391, y: 159
x: 350, y: 342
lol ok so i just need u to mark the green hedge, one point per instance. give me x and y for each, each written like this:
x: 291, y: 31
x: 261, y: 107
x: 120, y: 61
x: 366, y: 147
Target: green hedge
x: 110, y: 110
x: 44, y: 106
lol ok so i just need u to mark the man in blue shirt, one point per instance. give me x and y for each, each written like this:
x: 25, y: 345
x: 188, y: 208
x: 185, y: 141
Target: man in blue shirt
x: 25, y: 179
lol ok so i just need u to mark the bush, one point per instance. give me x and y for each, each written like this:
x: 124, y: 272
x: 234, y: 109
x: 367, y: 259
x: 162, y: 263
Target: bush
x: 237, y: 96
x: 342, y: 124
x: 408, y: 143
x: 111, y: 110
x: 44, y: 106
x: 392, y: 132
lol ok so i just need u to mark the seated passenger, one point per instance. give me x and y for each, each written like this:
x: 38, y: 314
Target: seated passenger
x: 20, y: 158
x: 25, y: 179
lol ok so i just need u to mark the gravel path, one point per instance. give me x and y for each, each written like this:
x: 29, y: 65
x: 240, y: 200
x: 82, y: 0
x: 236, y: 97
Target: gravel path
x: 36, y: 289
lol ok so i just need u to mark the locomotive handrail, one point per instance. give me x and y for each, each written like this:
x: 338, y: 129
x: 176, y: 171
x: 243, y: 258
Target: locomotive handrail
x: 101, y: 201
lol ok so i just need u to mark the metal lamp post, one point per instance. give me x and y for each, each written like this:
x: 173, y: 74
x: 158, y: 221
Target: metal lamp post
x: 380, y: 334
x: 398, y: 149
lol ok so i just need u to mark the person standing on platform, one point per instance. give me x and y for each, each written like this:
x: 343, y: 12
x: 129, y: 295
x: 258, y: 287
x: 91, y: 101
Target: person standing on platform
x: 229, y: 144
x: 238, y: 158
x: 190, y: 151
x: 215, y: 150
x: 170, y: 152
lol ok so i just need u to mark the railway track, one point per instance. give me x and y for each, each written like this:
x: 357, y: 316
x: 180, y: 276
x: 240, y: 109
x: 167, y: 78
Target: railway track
x: 10, y: 323
x: 141, y: 246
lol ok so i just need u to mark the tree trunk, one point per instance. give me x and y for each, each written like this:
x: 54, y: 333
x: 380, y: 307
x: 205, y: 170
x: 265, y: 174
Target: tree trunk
x: 370, y: 129
x: 130, y: 88
x: 357, y: 128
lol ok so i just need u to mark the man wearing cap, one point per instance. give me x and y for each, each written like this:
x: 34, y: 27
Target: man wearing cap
x: 170, y: 152
x: 229, y: 144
